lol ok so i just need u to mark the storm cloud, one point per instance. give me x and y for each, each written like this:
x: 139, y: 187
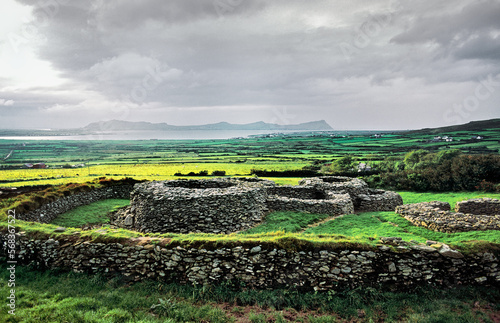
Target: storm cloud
x: 358, y: 65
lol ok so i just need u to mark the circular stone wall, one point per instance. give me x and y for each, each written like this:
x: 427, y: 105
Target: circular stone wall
x: 363, y: 198
x: 211, y: 206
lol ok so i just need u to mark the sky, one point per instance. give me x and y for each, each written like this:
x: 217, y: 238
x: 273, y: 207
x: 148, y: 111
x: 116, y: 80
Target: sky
x: 358, y: 64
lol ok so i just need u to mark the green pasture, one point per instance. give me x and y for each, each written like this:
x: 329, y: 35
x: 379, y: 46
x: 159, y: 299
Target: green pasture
x: 275, y: 150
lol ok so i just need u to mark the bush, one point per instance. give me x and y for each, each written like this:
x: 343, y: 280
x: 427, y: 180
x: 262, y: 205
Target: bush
x: 442, y: 171
x: 218, y: 173
x: 487, y: 186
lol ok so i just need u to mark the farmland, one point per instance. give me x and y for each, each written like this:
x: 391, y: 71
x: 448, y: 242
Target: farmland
x: 159, y: 160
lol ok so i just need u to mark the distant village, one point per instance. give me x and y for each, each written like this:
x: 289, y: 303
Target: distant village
x: 450, y: 139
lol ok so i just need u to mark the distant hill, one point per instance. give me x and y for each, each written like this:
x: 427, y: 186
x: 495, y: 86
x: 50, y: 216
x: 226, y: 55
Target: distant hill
x: 119, y: 125
x: 471, y: 126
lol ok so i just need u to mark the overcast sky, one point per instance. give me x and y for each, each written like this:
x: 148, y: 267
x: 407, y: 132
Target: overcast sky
x: 358, y: 64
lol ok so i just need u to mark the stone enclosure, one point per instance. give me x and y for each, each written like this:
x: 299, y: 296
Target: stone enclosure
x: 230, y: 204
x: 225, y: 205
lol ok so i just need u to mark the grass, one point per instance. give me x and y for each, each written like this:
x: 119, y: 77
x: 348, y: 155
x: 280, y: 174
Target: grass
x: 54, y: 296
x: 370, y: 226
x: 286, y: 222
x: 450, y: 197
x: 90, y: 214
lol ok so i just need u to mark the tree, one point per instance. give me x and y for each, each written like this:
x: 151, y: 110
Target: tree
x: 343, y: 164
x: 414, y: 157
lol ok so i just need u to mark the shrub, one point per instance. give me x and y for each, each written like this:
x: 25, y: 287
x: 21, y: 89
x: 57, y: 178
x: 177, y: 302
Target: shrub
x: 219, y: 173
x: 486, y: 186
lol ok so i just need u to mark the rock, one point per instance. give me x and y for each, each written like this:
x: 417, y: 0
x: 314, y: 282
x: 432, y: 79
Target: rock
x: 256, y: 249
x: 423, y: 248
x: 450, y: 253
x: 129, y: 220
x: 59, y: 229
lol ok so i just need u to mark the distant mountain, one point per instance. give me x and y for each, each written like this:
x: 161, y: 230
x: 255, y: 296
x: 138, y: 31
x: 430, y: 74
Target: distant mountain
x: 471, y: 126
x: 119, y: 125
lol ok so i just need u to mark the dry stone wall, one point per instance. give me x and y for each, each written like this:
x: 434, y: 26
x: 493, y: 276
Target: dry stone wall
x: 352, y: 186
x: 485, y: 206
x: 363, y: 198
x: 265, y: 266
x: 335, y: 204
x: 437, y: 217
x: 50, y: 211
x: 378, y: 200
x: 297, y: 192
x: 224, y: 205
x: 211, y: 206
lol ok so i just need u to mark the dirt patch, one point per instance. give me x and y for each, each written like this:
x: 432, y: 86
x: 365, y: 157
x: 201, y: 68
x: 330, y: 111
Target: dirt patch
x: 315, y: 224
x: 243, y: 314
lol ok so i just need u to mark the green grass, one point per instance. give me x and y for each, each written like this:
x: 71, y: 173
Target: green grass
x: 90, y: 214
x: 287, y: 222
x: 450, y: 197
x: 52, y: 296
x: 370, y: 226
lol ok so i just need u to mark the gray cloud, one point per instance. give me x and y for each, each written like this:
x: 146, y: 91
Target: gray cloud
x: 372, y: 63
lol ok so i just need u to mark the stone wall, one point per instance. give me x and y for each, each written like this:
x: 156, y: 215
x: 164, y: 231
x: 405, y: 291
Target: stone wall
x: 352, y: 186
x: 336, y: 204
x: 486, y: 206
x: 363, y: 198
x: 210, y: 206
x: 224, y: 205
x: 298, y: 192
x: 436, y: 216
x: 378, y: 200
x: 50, y: 211
x: 265, y: 266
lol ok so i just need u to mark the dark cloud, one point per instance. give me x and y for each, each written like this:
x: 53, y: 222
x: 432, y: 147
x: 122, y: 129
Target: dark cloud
x: 365, y: 61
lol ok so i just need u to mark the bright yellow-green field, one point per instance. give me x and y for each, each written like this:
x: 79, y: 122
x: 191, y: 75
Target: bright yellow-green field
x: 24, y: 177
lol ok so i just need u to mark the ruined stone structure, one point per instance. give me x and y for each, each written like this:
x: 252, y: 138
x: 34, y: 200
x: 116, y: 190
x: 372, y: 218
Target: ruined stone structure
x: 438, y: 217
x: 363, y: 198
x: 485, y: 206
x: 224, y: 205
x: 182, y: 206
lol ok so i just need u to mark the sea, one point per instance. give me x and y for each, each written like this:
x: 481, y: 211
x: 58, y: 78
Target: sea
x: 157, y: 135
